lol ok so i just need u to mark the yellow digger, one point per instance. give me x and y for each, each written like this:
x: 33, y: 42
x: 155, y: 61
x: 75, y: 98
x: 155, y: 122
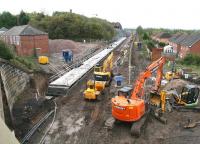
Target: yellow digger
x: 173, y: 74
x: 91, y: 92
x: 102, y: 78
x: 103, y: 73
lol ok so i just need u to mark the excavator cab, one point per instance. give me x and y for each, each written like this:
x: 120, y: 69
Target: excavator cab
x: 125, y: 91
x: 102, y: 78
x: 98, y: 68
x: 90, y: 84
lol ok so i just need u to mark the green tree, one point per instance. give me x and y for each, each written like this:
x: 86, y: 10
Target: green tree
x: 191, y: 59
x: 140, y: 31
x: 5, y: 51
x: 146, y: 36
x: 72, y: 26
x: 23, y: 18
x: 7, y: 20
x: 161, y: 44
x: 150, y: 44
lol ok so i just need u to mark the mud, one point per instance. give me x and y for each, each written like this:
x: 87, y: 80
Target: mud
x: 82, y: 122
x: 31, y: 105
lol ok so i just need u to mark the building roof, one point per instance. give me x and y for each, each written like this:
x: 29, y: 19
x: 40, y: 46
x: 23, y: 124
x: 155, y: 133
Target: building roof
x: 186, y: 40
x: 191, y: 39
x: 181, y: 38
x: 24, y: 30
x: 163, y: 35
x: 174, y: 37
x: 3, y: 29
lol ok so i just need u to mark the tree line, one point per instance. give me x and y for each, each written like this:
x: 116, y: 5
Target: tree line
x: 62, y: 25
x: 8, y: 20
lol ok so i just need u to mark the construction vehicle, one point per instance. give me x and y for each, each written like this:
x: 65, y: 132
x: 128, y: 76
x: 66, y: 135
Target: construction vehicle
x: 103, y: 73
x: 43, y: 60
x: 102, y: 78
x: 91, y: 92
x: 130, y: 105
x: 171, y: 75
x: 188, y: 96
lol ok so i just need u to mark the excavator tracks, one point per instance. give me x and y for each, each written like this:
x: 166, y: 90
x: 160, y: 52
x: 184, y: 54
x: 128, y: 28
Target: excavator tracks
x: 138, y: 126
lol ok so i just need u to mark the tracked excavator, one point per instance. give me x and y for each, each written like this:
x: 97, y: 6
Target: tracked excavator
x: 130, y: 104
x: 102, y: 78
x: 103, y: 73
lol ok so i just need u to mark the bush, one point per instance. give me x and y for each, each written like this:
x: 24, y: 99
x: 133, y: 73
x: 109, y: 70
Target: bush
x: 161, y: 44
x: 146, y: 36
x: 150, y: 44
x: 5, y: 51
x: 191, y: 59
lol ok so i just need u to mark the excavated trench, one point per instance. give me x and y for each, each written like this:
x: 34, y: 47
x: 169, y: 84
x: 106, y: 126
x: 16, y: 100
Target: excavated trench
x: 80, y: 121
x: 31, y: 105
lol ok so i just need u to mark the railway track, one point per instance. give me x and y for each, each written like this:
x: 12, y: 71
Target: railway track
x: 30, y: 135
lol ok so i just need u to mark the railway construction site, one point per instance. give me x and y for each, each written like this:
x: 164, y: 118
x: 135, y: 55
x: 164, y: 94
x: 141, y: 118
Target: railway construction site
x: 99, y: 72
x: 59, y: 112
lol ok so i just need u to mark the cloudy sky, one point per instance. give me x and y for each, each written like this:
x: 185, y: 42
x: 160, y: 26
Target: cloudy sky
x: 172, y: 14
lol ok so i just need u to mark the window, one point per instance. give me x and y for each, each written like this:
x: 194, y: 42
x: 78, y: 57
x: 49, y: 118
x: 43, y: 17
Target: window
x: 101, y: 77
x: 11, y: 40
x: 14, y: 42
x: 17, y: 38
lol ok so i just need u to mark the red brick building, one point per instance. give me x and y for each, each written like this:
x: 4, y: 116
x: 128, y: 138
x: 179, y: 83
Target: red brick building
x: 176, y: 40
x: 156, y: 53
x: 185, y: 44
x: 162, y: 37
x: 26, y: 40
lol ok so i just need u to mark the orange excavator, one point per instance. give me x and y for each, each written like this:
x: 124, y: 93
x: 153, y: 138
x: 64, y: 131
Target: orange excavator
x: 130, y: 105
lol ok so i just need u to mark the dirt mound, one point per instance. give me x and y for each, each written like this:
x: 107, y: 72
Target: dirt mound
x: 177, y: 84
x: 58, y: 45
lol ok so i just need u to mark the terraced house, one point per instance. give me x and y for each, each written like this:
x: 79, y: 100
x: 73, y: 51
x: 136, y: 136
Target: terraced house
x: 26, y: 39
x: 185, y: 44
x: 162, y: 37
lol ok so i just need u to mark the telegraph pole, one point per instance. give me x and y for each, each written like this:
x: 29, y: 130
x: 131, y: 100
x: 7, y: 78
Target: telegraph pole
x: 130, y: 59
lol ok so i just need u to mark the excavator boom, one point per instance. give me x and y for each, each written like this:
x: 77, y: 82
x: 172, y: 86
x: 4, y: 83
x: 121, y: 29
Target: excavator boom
x: 156, y: 65
x: 132, y: 108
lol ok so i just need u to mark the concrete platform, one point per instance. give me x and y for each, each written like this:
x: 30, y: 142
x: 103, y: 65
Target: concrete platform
x: 60, y: 86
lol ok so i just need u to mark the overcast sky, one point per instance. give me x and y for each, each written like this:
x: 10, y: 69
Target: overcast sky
x: 184, y: 14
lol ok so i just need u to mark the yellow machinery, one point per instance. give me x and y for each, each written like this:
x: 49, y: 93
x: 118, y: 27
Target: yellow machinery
x: 102, y: 78
x: 43, y: 60
x: 91, y: 93
x: 171, y: 75
x: 103, y: 73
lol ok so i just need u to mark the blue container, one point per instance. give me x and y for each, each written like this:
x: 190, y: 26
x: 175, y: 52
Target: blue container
x: 119, y: 80
x: 67, y: 55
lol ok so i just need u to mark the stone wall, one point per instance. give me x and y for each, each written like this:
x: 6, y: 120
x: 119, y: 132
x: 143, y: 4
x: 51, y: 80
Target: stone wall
x: 14, y: 81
